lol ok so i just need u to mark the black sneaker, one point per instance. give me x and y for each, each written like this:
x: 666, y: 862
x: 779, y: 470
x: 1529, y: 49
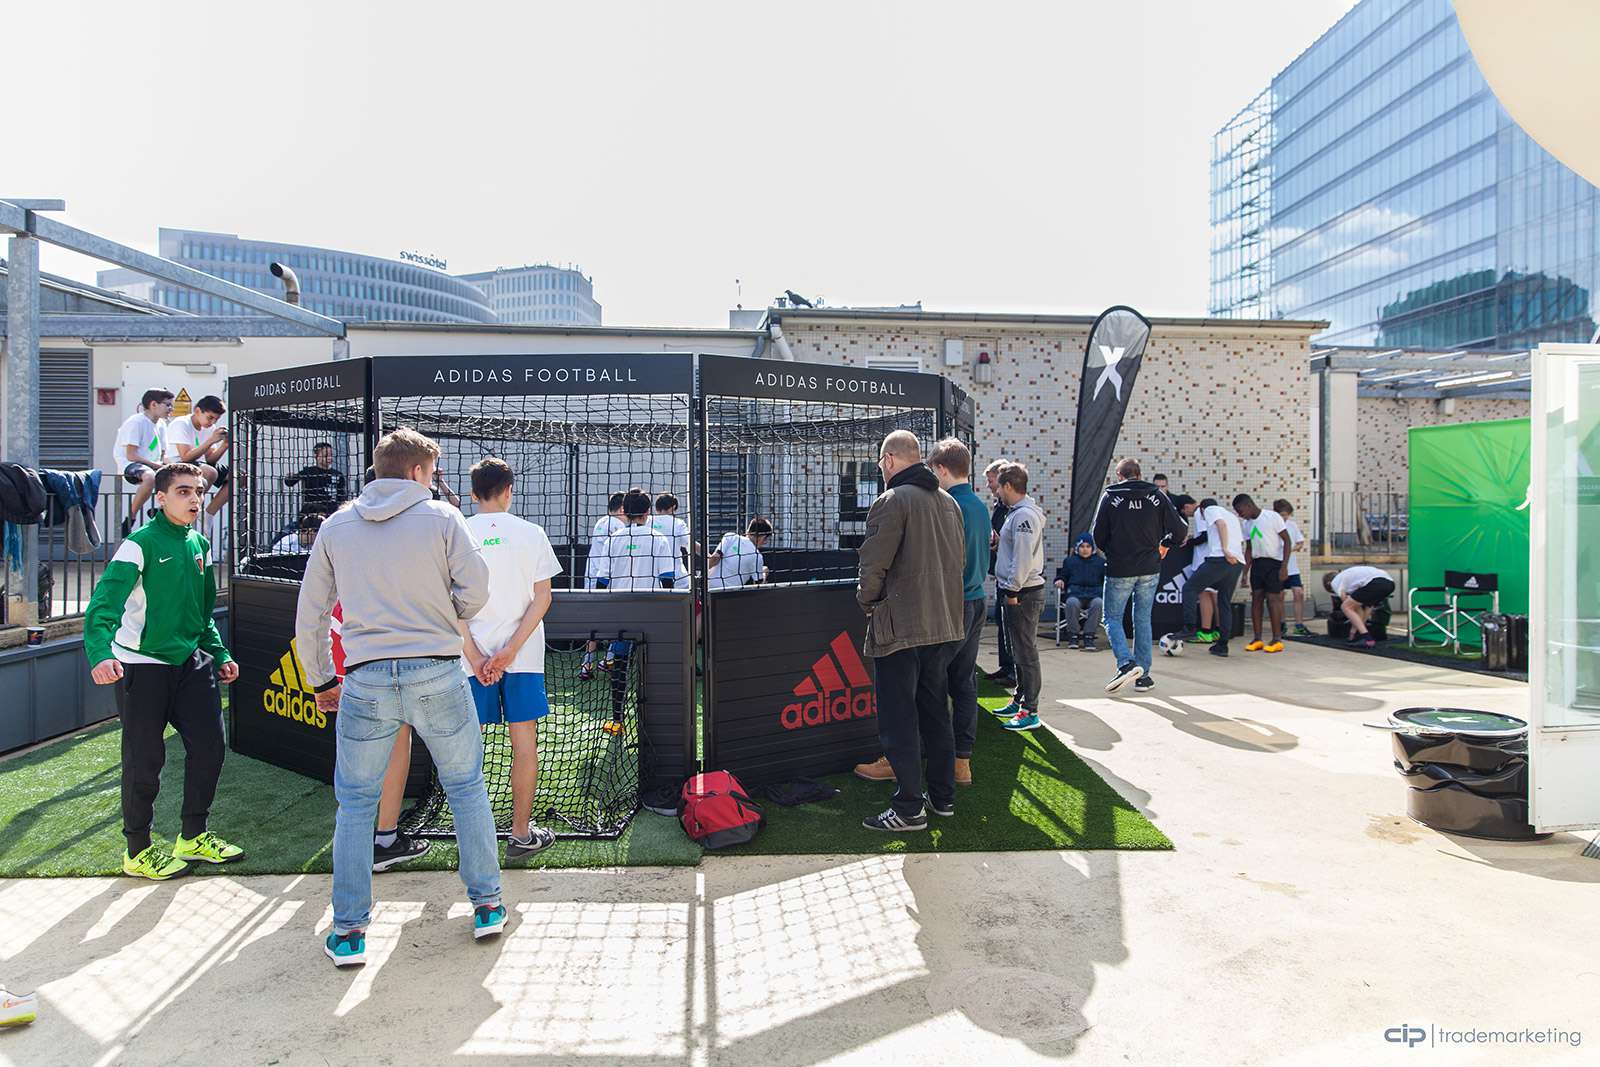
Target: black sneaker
x: 539, y: 839
x: 1219, y: 649
x: 893, y: 822
x: 403, y: 850
x: 995, y: 676
x: 1091, y: 646
x: 127, y: 526
x: 946, y: 809
x: 1145, y: 684
x: 1126, y: 674
x: 663, y: 800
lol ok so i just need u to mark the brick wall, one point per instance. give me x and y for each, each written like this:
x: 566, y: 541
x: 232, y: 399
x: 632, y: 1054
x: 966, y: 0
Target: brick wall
x: 1220, y: 410
x: 1381, y: 462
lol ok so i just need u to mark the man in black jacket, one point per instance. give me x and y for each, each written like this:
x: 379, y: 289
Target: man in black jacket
x: 1133, y: 518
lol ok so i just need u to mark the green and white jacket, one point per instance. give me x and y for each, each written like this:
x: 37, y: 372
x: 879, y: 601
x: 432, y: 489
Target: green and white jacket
x: 153, y: 603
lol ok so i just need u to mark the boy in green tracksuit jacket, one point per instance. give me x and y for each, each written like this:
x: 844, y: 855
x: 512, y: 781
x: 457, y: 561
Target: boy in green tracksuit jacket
x: 148, y: 630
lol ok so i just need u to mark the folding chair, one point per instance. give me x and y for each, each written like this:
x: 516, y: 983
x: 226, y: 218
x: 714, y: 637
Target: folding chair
x: 1446, y: 612
x: 1061, y: 618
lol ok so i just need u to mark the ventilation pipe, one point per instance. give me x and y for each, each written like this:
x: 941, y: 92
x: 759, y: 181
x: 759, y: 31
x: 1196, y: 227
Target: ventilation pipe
x: 291, y: 282
x: 779, y: 343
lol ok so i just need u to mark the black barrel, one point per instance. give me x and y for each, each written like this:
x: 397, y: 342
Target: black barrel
x: 1467, y: 771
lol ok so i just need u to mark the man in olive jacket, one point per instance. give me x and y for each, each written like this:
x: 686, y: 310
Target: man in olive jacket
x: 911, y: 589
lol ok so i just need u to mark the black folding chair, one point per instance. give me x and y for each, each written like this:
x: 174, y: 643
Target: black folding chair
x: 1462, y: 601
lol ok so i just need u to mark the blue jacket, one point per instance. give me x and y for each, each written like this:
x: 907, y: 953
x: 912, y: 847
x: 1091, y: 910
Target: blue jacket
x: 975, y: 526
x: 1084, y: 577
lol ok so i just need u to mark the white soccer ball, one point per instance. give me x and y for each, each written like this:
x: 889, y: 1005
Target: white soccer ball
x: 1171, y: 645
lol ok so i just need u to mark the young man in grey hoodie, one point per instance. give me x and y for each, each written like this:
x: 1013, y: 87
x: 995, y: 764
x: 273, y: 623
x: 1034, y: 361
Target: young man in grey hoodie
x: 405, y: 570
x: 1019, y: 574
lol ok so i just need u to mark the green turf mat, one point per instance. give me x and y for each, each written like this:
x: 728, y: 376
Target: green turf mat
x: 60, y: 814
x: 1029, y: 792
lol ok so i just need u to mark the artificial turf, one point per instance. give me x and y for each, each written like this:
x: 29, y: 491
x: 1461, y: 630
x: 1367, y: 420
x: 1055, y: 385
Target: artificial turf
x: 1029, y: 792
x: 60, y: 814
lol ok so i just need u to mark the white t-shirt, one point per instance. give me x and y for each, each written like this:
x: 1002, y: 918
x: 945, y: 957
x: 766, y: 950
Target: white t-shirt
x: 1350, y: 579
x: 675, y: 530
x: 1230, y: 522
x: 603, y: 528
x: 634, y: 558
x: 740, y: 564
x: 147, y: 436
x: 518, y: 554
x: 1264, y: 531
x: 181, y: 433
x: 1296, y: 539
x: 289, y: 544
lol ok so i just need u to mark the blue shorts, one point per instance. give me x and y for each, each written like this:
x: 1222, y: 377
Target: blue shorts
x: 1293, y: 582
x: 520, y: 697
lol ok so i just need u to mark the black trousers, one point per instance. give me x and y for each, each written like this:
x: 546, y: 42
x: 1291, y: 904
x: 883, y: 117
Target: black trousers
x: 962, y: 676
x: 150, y: 696
x: 1022, y: 631
x: 914, y: 724
x: 1007, y: 664
x: 1215, y: 573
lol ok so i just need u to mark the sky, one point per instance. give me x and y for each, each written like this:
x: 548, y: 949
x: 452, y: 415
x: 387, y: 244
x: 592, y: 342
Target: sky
x: 1045, y: 157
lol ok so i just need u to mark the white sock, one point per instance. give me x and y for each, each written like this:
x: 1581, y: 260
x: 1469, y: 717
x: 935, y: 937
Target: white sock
x: 386, y: 838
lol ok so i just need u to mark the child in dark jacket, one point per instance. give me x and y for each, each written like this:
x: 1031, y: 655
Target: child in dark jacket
x: 1082, y: 580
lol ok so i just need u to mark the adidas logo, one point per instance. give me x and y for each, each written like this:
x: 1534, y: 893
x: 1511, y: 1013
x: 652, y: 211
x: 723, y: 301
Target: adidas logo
x: 826, y: 695
x: 1471, y: 583
x: 287, y: 693
x: 1172, y: 592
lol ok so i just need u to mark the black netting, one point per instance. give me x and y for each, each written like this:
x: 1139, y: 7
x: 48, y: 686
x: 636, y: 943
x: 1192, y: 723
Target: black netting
x: 589, y: 750
x: 808, y: 467
x: 293, y: 465
x: 569, y: 455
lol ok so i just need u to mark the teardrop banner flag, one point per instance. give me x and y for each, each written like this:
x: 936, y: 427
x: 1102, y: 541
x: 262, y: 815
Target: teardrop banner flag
x: 1111, y: 363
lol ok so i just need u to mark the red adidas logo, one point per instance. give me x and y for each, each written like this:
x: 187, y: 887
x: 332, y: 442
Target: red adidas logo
x: 827, y: 696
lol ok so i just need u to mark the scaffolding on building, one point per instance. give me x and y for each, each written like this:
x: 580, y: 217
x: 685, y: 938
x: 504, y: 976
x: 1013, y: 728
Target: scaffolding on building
x: 1241, y: 213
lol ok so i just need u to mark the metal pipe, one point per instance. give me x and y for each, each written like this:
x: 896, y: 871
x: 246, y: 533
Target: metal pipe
x: 779, y: 343
x: 291, y: 283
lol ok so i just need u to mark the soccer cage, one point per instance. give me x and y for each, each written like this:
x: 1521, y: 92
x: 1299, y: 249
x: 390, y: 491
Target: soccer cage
x: 766, y: 680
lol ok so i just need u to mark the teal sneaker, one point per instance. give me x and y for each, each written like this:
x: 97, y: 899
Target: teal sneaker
x: 346, y: 950
x: 1023, y: 720
x: 1010, y: 711
x: 488, y: 921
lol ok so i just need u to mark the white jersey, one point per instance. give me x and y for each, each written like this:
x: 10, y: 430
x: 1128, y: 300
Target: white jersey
x: 1230, y: 523
x: 518, y: 554
x: 1347, y: 581
x: 740, y: 564
x: 634, y: 558
x: 603, y: 528
x: 1264, y: 533
x: 1296, y: 539
x: 147, y: 437
x: 183, y: 434
x: 675, y: 530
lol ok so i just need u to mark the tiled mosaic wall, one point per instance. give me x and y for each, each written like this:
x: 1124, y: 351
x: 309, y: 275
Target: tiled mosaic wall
x: 1381, y: 451
x: 1219, y: 410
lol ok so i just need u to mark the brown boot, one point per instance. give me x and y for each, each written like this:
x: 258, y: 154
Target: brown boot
x: 963, y: 771
x: 877, y: 771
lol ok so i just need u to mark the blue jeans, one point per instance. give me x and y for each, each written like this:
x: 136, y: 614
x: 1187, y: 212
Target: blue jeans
x: 432, y: 697
x: 1142, y: 588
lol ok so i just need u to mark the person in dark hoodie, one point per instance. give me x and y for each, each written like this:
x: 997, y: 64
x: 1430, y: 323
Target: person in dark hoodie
x: 402, y: 645
x: 911, y: 588
x: 1133, y: 518
x: 1082, y: 581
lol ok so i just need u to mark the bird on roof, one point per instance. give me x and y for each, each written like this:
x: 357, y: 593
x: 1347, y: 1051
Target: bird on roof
x: 796, y: 299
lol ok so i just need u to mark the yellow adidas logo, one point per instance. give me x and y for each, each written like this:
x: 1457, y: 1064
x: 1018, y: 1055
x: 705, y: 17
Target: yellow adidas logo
x: 289, y: 695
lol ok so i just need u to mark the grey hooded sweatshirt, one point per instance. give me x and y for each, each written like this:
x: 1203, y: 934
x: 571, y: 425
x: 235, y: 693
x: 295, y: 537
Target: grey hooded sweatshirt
x: 402, y: 566
x: 1019, y: 563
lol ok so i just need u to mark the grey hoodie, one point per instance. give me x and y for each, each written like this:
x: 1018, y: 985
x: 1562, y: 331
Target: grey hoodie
x: 402, y: 566
x: 1019, y: 561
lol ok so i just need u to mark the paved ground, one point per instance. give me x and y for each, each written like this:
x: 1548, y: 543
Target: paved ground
x: 1300, y: 917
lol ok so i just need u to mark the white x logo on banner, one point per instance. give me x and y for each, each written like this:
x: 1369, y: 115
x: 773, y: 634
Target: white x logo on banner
x: 1112, y: 356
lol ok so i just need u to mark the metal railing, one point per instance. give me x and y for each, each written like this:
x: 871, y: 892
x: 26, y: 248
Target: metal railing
x: 1362, y: 522
x: 67, y: 580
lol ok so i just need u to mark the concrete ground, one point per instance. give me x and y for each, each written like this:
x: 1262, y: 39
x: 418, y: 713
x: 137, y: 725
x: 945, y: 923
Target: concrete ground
x: 1301, y: 917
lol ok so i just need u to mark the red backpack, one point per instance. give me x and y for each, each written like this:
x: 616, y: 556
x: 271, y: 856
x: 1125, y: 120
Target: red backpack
x: 716, y: 812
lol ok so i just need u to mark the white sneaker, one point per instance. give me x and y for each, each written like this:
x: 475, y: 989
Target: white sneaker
x: 18, y: 1009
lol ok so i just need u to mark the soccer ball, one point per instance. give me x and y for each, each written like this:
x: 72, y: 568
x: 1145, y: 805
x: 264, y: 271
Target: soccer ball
x: 1171, y: 645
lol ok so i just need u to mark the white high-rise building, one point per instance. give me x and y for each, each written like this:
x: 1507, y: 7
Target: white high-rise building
x: 539, y: 295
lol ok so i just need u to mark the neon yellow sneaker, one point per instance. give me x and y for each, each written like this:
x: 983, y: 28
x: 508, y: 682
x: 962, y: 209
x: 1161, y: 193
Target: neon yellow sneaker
x: 206, y: 847
x: 154, y: 863
x: 1254, y: 646
x: 18, y: 1009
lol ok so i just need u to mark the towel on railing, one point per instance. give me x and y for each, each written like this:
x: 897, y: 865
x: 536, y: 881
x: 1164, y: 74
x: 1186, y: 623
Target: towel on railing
x: 73, y: 495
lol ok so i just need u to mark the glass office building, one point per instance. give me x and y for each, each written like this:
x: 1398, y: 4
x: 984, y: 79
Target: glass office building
x: 341, y: 285
x: 540, y: 295
x: 1378, y: 184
